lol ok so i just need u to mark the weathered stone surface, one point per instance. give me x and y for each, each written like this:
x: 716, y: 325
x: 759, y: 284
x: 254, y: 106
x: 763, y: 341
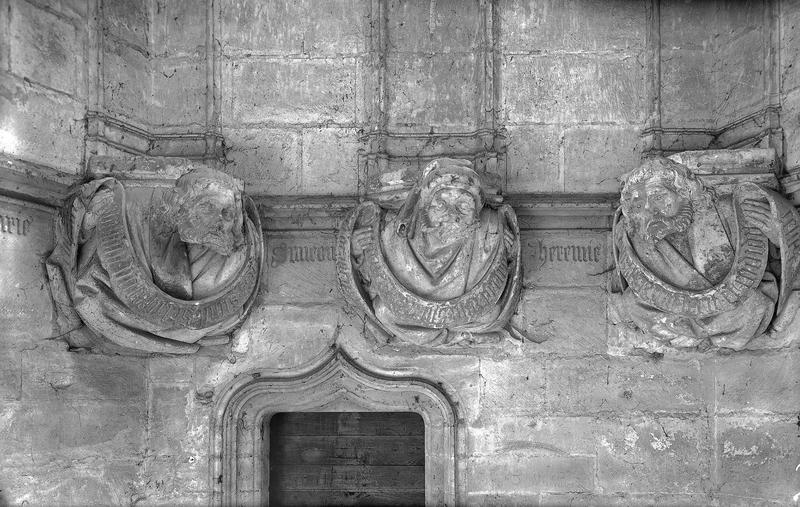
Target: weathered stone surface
x: 11, y: 376
x: 69, y: 482
x: 179, y: 28
x: 564, y: 89
x: 173, y: 104
x: 449, y: 26
x: 128, y: 94
x: 659, y: 454
x: 536, y: 435
x: 533, y: 159
x: 529, y: 26
x: 303, y: 27
x: 594, y: 157
x: 284, y: 336
x: 330, y: 161
x: 791, y: 112
x: 302, y: 267
x: 527, y: 396
x: 168, y: 418
x: 288, y: 91
x: 45, y: 48
x: 790, y: 48
x: 269, y: 161
x: 599, y: 384
x: 170, y: 369
x: 438, y: 91
x: 741, y: 92
x: 758, y: 383
x: 40, y: 126
x: 128, y: 20
x: 489, y: 499
x: 623, y: 500
x: 757, y: 458
x: 57, y: 375
x: 82, y: 429
x: 174, y: 480
x: 565, y: 258
x: 684, y: 75
x: 26, y: 237
x: 542, y: 317
x: 522, y: 474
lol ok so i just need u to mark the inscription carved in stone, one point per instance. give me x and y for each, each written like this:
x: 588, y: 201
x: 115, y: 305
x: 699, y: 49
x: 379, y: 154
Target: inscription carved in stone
x: 154, y: 269
x: 696, y: 267
x: 442, y: 270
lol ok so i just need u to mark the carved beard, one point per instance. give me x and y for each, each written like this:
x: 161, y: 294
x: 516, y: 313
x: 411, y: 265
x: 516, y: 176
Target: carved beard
x: 662, y: 226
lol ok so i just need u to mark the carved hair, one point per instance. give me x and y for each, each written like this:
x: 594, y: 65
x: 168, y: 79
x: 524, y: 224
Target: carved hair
x: 672, y: 175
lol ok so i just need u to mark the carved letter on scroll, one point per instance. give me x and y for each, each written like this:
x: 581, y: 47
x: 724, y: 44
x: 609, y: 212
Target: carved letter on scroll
x: 695, y: 264
x: 156, y: 269
x: 442, y: 270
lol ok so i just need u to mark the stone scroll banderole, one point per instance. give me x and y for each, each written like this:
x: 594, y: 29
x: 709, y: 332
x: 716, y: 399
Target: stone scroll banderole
x: 153, y: 269
x: 442, y: 270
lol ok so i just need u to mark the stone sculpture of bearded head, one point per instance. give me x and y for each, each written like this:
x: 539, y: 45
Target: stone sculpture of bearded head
x: 660, y: 197
x: 446, y: 203
x: 207, y: 206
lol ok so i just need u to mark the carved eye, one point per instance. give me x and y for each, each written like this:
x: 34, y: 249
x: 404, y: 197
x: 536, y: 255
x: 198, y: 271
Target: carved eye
x: 438, y: 203
x: 226, y: 213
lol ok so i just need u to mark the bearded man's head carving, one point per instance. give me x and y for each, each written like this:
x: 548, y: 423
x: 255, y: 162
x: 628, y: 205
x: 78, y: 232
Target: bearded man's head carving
x: 660, y: 197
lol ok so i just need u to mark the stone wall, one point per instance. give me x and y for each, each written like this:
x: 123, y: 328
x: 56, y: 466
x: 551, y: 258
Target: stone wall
x: 553, y: 97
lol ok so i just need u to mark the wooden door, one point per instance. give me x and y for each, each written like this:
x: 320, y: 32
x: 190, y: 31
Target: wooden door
x: 347, y: 458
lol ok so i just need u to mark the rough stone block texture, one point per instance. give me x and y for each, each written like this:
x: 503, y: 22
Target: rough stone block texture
x: 50, y: 374
x: 595, y: 157
x: 168, y: 419
x: 127, y: 91
x: 599, y: 384
x: 69, y: 483
x: 567, y: 258
x: 573, y: 88
x: 288, y: 91
x: 527, y: 397
x: 179, y: 28
x: 448, y: 26
x: 739, y: 71
x: 11, y: 376
x: 26, y: 238
x: 790, y: 46
x: 307, y: 27
x: 46, y: 48
x: 790, y: 120
x: 269, y: 161
x: 757, y: 458
x: 128, y: 20
x: 583, y: 25
x: 690, y: 26
x: 488, y: 499
x: 427, y: 91
x: 623, y: 500
x: 533, y: 159
x: 656, y: 454
x: 285, y: 336
x: 179, y: 480
x: 687, y: 88
x: 41, y: 126
x: 522, y: 474
x: 537, y: 435
x: 70, y: 430
x: 302, y: 267
x: 179, y: 93
x: 766, y: 382
x: 542, y: 314
x: 330, y: 161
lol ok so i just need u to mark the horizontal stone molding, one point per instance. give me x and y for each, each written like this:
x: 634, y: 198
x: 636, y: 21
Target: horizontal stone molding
x: 129, y: 138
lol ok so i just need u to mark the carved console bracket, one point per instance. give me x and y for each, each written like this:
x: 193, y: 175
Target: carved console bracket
x: 240, y: 435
